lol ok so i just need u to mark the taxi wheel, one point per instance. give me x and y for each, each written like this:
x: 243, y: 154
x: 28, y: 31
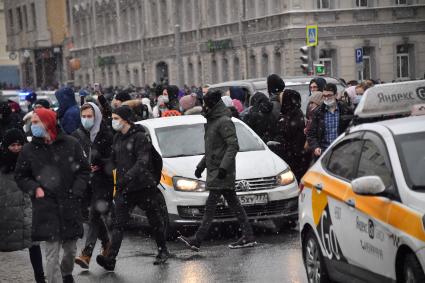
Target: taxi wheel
x: 412, y: 270
x: 313, y: 260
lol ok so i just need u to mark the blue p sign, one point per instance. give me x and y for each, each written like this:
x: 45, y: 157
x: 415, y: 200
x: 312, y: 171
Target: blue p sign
x: 359, y: 55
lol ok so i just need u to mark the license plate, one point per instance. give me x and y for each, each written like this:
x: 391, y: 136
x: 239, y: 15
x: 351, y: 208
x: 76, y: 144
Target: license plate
x: 253, y: 199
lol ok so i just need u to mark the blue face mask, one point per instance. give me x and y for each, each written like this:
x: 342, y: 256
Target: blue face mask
x: 38, y: 131
x: 87, y: 123
x: 116, y: 125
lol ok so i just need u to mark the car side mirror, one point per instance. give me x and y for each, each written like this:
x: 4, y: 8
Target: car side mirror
x: 368, y: 185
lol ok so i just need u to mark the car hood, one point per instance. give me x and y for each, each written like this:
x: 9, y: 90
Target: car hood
x: 249, y: 165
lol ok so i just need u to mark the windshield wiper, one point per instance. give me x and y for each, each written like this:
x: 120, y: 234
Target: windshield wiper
x: 418, y: 187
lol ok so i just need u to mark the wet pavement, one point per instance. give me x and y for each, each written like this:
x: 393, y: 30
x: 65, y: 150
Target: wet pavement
x: 276, y: 258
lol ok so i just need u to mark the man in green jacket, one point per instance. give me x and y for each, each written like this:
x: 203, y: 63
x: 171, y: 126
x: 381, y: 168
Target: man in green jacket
x: 221, y: 147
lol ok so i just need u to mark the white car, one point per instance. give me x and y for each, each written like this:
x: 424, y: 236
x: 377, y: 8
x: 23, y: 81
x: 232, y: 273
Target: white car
x: 265, y: 185
x: 362, y: 204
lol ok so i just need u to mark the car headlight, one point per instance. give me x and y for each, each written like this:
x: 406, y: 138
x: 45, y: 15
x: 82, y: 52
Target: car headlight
x: 188, y: 185
x: 285, y: 178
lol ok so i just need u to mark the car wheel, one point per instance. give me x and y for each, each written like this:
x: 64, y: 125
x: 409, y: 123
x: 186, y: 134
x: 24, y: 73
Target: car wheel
x: 412, y: 270
x: 313, y: 260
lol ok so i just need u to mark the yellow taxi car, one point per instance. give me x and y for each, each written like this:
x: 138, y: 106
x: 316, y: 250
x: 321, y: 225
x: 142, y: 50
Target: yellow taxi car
x: 362, y: 204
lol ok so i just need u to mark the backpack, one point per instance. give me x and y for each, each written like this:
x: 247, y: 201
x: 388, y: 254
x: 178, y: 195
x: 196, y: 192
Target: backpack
x: 156, y: 163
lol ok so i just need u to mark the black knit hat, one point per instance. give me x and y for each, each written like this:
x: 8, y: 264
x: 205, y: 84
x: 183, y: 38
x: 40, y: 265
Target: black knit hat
x: 43, y: 102
x: 123, y: 96
x: 125, y: 113
x: 13, y: 136
x: 275, y: 84
x: 212, y: 98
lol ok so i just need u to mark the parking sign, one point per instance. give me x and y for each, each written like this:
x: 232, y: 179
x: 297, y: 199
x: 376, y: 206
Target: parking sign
x: 359, y: 55
x: 311, y: 35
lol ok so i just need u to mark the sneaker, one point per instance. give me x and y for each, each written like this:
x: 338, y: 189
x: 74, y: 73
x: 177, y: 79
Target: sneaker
x: 191, y: 242
x: 243, y: 242
x: 108, y: 263
x: 162, y: 257
x: 105, y: 249
x: 83, y: 260
x: 68, y: 279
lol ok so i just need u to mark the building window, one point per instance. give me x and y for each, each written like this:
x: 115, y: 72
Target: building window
x: 401, y: 2
x: 10, y: 16
x: 361, y: 3
x: 19, y: 18
x: 162, y: 72
x: 403, y: 62
x: 366, y: 72
x: 136, y: 79
x: 323, y: 4
x: 264, y: 65
x: 25, y: 17
x: 326, y: 57
x: 327, y: 62
x: 33, y: 16
x: 236, y: 69
x: 190, y: 73
x: 225, y: 68
x: 277, y: 63
x: 214, y: 71
x: 252, y: 67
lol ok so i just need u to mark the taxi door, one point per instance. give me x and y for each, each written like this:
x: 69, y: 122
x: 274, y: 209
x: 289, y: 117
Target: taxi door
x: 372, y: 251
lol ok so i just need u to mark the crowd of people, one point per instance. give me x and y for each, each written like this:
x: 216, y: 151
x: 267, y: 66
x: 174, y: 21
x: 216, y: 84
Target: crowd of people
x: 68, y: 165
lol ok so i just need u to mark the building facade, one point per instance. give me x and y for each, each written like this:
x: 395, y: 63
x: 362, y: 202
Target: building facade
x: 37, y: 32
x: 120, y: 42
x: 9, y: 72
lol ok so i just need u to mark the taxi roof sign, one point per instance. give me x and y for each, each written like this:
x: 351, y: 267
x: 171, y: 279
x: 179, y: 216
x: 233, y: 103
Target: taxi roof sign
x: 391, y: 99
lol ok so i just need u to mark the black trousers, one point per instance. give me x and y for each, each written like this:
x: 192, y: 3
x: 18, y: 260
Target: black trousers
x: 124, y: 203
x: 234, y: 204
x: 97, y: 226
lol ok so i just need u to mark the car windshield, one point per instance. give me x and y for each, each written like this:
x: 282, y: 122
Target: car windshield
x: 411, y: 150
x: 188, y: 140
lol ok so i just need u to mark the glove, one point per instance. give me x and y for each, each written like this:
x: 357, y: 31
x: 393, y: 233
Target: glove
x: 222, y: 173
x: 198, y: 173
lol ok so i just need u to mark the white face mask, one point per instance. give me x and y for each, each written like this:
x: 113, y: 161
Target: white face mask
x: 330, y: 102
x: 357, y: 99
x: 116, y: 125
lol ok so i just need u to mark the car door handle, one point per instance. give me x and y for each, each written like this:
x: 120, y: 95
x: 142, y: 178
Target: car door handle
x: 318, y: 187
x: 351, y: 202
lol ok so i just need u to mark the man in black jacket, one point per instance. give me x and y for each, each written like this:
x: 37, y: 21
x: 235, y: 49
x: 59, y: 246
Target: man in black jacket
x: 329, y: 120
x: 96, y: 139
x: 54, y: 171
x: 136, y: 185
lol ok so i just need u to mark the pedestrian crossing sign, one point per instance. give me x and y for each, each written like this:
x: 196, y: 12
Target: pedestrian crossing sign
x: 311, y: 35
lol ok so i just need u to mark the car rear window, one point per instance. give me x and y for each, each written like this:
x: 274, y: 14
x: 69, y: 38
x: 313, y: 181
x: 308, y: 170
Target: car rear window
x: 188, y: 140
x: 411, y: 151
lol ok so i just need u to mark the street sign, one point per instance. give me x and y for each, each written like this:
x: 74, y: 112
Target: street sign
x: 311, y: 35
x: 359, y: 55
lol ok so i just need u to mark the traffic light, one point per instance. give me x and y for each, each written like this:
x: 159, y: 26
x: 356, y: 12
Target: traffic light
x: 307, y: 61
x: 319, y: 69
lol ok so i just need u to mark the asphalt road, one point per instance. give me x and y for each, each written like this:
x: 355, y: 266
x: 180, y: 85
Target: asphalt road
x: 276, y: 258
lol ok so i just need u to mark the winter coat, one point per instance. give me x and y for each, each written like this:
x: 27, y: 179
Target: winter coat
x: 260, y: 117
x: 98, y: 153
x: 68, y: 112
x: 316, y: 132
x: 132, y: 158
x: 221, y: 147
x: 15, y: 216
x: 62, y: 171
x: 290, y: 133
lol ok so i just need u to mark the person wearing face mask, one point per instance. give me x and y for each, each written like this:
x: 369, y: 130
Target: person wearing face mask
x: 54, y: 171
x: 15, y: 206
x: 68, y: 112
x: 137, y: 177
x: 221, y: 147
x: 329, y: 120
x: 95, y: 138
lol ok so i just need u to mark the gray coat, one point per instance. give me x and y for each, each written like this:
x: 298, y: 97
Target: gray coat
x: 221, y: 147
x: 15, y: 216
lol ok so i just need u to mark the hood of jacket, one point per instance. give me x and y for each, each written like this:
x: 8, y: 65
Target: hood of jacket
x: 261, y: 103
x: 218, y: 111
x: 66, y: 99
x: 291, y: 100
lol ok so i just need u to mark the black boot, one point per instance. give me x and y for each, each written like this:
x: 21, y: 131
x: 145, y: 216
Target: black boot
x: 163, y: 255
x: 108, y: 263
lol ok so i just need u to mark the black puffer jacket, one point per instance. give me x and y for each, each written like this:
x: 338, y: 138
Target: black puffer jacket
x: 15, y: 216
x: 316, y: 132
x: 260, y: 117
x: 98, y: 153
x: 291, y: 133
x: 62, y: 171
x: 132, y: 158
